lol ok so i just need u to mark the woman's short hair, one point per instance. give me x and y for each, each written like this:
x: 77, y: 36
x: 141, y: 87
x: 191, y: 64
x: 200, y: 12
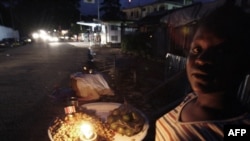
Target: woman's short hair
x: 231, y: 23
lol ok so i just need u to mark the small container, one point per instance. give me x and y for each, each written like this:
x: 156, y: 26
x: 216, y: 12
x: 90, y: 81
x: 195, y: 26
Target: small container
x: 92, y: 138
x: 73, y: 101
x: 69, y: 110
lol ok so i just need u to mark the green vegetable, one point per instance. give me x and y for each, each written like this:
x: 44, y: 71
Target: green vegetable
x: 121, y: 130
x: 125, y: 120
x: 126, y: 117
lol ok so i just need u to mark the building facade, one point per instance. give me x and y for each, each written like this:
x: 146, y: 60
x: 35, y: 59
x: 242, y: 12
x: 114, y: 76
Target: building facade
x: 141, y: 11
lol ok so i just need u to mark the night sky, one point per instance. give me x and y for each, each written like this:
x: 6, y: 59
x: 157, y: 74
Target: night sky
x: 91, y: 9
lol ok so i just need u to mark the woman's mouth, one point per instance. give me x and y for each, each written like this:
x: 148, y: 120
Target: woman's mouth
x: 203, y: 77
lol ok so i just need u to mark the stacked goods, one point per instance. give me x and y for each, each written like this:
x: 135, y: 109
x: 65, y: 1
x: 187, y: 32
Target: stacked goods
x: 126, y: 120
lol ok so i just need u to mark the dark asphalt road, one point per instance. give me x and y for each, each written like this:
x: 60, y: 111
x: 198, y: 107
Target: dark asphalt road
x: 28, y: 74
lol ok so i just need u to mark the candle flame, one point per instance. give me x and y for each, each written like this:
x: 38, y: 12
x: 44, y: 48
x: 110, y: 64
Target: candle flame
x: 87, y: 130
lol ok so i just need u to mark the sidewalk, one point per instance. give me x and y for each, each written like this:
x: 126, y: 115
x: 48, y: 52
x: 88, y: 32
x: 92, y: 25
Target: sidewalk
x: 130, y: 77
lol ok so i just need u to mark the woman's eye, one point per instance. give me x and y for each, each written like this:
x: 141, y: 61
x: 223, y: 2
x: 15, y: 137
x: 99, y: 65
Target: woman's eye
x: 195, y: 50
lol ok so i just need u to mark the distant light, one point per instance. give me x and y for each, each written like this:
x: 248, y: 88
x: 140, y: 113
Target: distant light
x: 129, y: 0
x: 42, y: 32
x: 66, y: 37
x: 64, y: 32
x: 53, y: 39
x: 185, y: 30
x: 35, y: 35
x: 29, y: 40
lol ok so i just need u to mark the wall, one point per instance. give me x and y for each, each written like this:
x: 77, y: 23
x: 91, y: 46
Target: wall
x: 6, y: 32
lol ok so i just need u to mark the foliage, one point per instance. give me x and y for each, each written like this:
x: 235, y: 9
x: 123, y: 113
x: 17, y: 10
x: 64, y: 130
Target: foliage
x: 56, y: 14
x: 74, y: 29
x: 111, y: 10
x: 138, y: 43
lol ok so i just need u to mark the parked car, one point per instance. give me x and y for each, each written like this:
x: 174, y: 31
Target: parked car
x: 26, y: 40
x: 7, y: 42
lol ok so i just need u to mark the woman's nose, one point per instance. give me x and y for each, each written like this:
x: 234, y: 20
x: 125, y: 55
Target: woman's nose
x: 199, y: 61
x: 203, y: 59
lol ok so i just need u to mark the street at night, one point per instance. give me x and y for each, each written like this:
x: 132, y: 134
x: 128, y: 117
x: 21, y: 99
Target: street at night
x: 28, y: 75
x: 124, y: 70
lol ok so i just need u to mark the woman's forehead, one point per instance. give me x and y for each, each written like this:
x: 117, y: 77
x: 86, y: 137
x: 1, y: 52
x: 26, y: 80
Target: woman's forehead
x: 207, y: 35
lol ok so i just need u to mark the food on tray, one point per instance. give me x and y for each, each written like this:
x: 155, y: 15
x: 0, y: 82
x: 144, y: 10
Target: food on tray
x: 126, y: 120
x: 68, y: 127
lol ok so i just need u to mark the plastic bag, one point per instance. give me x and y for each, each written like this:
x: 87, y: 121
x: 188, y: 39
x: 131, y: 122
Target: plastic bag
x: 90, y: 86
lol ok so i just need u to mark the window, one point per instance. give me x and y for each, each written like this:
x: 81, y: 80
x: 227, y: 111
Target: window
x: 137, y: 14
x: 97, y: 29
x: 131, y: 14
x: 113, y: 27
x: 114, y: 38
x: 162, y: 8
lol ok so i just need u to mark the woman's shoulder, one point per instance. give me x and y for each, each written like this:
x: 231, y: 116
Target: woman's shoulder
x: 175, y: 113
x: 241, y: 119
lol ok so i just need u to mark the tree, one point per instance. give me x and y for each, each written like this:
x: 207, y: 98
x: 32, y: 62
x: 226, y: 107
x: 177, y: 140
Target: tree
x: 6, y: 12
x: 5, y: 17
x: 48, y: 14
x: 74, y: 30
x: 111, y: 10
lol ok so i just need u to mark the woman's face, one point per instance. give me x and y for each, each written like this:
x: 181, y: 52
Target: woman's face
x: 212, y: 63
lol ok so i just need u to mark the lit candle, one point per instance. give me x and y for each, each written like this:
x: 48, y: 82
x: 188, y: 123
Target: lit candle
x: 84, y: 68
x: 90, y: 71
x: 88, y: 133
